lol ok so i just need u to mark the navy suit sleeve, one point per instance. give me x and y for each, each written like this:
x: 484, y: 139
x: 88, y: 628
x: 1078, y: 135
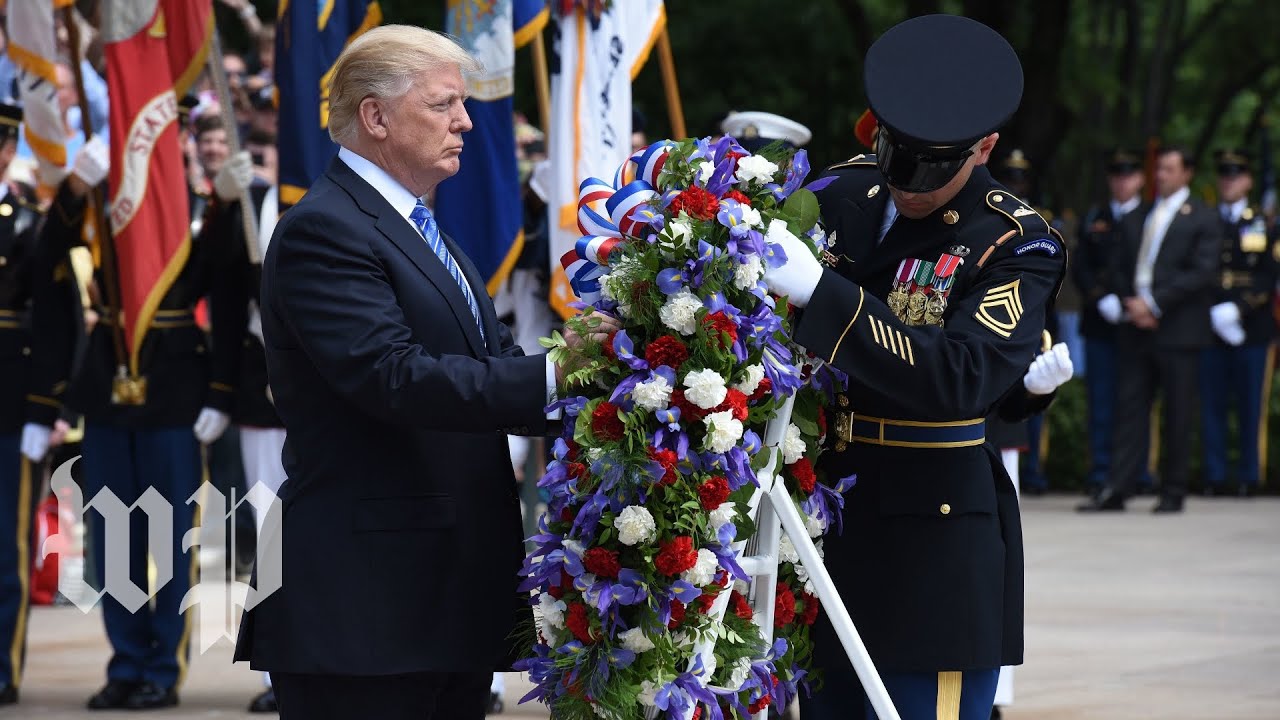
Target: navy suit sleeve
x: 339, y: 306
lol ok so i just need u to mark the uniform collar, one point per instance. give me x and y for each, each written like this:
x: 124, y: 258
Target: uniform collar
x: 1120, y: 209
x: 1235, y: 210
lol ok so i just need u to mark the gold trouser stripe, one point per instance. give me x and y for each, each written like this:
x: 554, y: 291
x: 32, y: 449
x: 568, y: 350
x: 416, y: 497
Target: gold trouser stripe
x: 18, y: 646
x: 1262, y: 415
x: 949, y: 684
x: 1153, y: 455
x: 861, y: 296
x: 189, y: 615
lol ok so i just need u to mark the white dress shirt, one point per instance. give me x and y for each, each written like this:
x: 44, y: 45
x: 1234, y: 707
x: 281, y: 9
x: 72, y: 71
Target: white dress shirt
x: 890, y: 214
x: 1153, y: 232
x: 403, y: 201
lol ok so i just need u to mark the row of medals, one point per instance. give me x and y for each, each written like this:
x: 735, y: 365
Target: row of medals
x: 920, y: 288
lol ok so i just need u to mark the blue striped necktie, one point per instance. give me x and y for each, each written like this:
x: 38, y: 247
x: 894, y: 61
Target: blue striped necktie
x: 426, y: 225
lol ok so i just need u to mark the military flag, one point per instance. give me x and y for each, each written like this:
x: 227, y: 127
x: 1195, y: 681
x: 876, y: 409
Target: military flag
x: 33, y: 48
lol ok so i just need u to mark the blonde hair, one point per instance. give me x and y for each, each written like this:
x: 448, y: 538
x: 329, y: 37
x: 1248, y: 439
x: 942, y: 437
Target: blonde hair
x: 383, y: 63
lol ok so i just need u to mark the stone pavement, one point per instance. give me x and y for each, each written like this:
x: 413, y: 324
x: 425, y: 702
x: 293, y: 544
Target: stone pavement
x: 1128, y: 617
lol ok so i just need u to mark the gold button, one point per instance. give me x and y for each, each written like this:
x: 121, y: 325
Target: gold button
x: 3, y: 261
x: 6, y: 210
x: 26, y: 351
x: 997, y: 198
x: 945, y: 509
x: 951, y: 217
x: 872, y: 192
x: 841, y: 446
x: 844, y: 401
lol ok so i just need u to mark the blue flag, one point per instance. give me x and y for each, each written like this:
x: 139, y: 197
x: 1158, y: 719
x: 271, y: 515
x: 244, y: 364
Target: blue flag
x: 480, y: 206
x: 310, y: 35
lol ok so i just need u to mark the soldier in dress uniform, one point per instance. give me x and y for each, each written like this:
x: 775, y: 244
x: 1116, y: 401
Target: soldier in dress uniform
x: 36, y: 298
x: 1235, y: 372
x: 1090, y: 273
x: 146, y: 431
x: 934, y: 305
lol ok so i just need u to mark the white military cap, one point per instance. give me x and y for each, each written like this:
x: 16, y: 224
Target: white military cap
x: 763, y: 128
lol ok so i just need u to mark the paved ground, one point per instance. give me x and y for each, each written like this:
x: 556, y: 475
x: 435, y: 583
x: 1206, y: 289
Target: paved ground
x: 1129, y: 617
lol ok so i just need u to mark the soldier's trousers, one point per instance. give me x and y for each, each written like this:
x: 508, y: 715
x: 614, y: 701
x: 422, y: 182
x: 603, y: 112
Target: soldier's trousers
x: 1234, y: 379
x: 149, y: 642
x: 957, y: 695
x: 20, y: 492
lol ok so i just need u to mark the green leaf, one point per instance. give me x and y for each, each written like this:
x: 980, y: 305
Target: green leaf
x: 802, y: 207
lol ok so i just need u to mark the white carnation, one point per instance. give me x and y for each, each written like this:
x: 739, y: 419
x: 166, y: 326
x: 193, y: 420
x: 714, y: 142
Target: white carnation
x: 793, y: 446
x: 551, y: 610
x: 636, y: 641
x: 606, y: 289
x: 755, y: 168
x: 705, y: 170
x: 722, y: 515
x: 802, y: 574
x: 787, y: 551
x: 723, y: 431
x: 747, y: 274
x: 740, y: 674
x: 634, y: 525
x: 648, y: 693
x: 751, y: 217
x: 703, y: 571
x: 815, y: 526
x: 680, y: 232
x: 680, y: 312
x: 705, y: 388
x: 754, y: 374
x: 652, y: 395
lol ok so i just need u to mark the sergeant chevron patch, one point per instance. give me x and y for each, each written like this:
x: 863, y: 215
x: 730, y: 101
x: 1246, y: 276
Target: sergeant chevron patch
x: 891, y: 339
x: 1001, y: 309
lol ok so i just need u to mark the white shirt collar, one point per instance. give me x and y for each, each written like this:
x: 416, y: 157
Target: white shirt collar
x: 1176, y: 199
x: 1235, y: 209
x: 1120, y: 209
x: 388, y: 187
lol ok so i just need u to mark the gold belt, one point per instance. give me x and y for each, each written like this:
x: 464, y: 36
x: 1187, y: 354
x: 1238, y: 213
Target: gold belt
x: 850, y: 427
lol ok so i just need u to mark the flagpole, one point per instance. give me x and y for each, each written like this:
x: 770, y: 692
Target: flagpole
x: 541, y: 83
x: 97, y: 204
x: 219, y: 75
x: 674, y: 110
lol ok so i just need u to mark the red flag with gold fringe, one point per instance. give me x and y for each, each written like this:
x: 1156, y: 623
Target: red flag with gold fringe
x: 155, y: 51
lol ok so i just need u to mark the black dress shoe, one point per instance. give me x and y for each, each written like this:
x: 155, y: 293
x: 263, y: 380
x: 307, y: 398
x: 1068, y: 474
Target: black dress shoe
x: 1168, y: 504
x: 1106, y: 501
x: 8, y: 695
x: 150, y: 696
x: 265, y: 703
x: 113, y: 696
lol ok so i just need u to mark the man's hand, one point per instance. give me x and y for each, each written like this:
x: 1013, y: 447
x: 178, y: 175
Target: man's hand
x: 60, y: 429
x: 1225, y: 318
x: 1049, y: 371
x: 210, y: 425
x: 1140, y: 314
x: 599, y: 334
x: 234, y: 176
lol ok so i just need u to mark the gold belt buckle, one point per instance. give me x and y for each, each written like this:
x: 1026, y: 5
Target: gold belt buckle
x: 128, y: 390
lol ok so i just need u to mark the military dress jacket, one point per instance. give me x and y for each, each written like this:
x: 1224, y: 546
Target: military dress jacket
x: 930, y: 559
x: 1249, y: 271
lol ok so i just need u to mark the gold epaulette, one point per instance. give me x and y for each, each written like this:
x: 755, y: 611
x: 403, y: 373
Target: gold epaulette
x: 1027, y: 220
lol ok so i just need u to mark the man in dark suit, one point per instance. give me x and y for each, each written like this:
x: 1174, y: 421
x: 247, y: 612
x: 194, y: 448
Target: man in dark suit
x: 400, y: 537
x: 1165, y: 264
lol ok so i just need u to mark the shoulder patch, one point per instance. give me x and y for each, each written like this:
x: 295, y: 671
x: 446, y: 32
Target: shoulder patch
x: 1028, y: 221
x: 859, y: 160
x: 1048, y: 246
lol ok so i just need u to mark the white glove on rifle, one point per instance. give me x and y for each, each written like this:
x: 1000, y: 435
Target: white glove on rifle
x: 35, y: 441
x: 1111, y: 309
x: 92, y: 162
x: 1225, y: 318
x: 1049, y: 371
x: 234, y: 176
x: 210, y: 425
x: 798, y: 277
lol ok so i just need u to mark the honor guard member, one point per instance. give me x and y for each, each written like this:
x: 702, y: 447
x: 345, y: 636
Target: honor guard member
x: 1090, y: 267
x: 145, y: 431
x: 36, y: 299
x: 1235, y: 372
x: 754, y: 130
x: 933, y: 303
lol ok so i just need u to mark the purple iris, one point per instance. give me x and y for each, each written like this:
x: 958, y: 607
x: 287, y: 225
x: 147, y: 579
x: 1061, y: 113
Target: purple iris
x: 774, y: 256
x: 681, y: 695
x: 760, y: 325
x: 796, y: 173
x: 625, y: 350
x: 785, y: 377
x: 730, y: 216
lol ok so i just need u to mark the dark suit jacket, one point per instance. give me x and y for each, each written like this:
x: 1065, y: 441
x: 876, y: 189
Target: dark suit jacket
x: 1184, y: 274
x: 401, y: 535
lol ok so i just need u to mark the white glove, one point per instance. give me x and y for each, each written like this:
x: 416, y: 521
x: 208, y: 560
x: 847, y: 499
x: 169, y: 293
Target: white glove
x: 210, y: 425
x: 1226, y: 322
x: 799, y: 276
x: 1049, y: 371
x: 35, y: 441
x: 92, y: 161
x: 1111, y: 309
x: 255, y: 322
x: 234, y: 176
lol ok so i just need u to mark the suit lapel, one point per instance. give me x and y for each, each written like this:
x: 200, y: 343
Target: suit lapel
x: 398, y: 230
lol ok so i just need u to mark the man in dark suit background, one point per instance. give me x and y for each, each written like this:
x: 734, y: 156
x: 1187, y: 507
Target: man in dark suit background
x: 1164, y: 266
x: 400, y: 537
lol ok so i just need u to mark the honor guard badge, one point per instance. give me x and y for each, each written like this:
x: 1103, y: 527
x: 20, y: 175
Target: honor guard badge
x: 1001, y: 309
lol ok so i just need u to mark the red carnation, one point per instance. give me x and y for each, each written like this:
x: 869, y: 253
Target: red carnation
x: 676, y: 556
x: 688, y: 411
x: 677, y: 614
x: 736, y: 401
x: 666, y: 350
x: 697, y: 714
x: 736, y: 195
x: 558, y: 589
x: 720, y: 325
x: 704, y: 602
x: 579, y: 623
x: 697, y: 202
x: 607, y: 347
x: 576, y: 470
x: 602, y: 562
x: 571, y: 449
x: 784, y: 606
x: 765, y: 386
x: 713, y: 492
x: 760, y: 704
x: 605, y: 423
x: 668, y: 460
x: 740, y: 606
x: 566, y: 514
x: 810, y: 613
x: 802, y: 471
x: 822, y: 423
